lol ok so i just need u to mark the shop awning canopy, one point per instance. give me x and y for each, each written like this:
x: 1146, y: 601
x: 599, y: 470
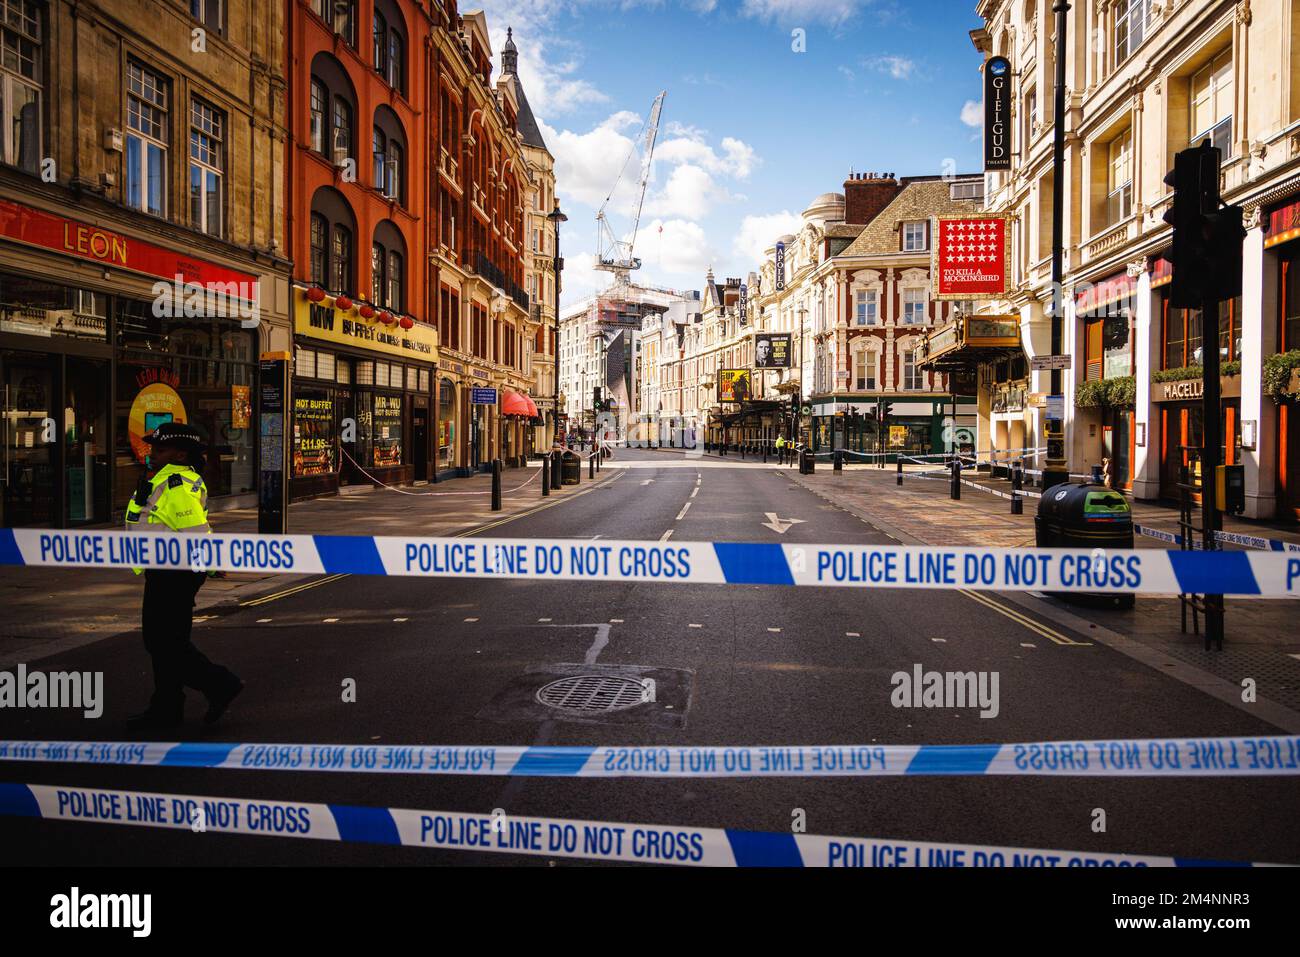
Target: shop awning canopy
x: 969, y: 342
x: 517, y: 403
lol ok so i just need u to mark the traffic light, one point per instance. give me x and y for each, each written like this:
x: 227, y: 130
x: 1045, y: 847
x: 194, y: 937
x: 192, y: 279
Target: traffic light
x: 597, y: 401
x: 884, y: 409
x: 1206, y: 254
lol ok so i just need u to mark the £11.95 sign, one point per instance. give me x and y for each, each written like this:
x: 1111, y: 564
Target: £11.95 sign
x: 971, y: 257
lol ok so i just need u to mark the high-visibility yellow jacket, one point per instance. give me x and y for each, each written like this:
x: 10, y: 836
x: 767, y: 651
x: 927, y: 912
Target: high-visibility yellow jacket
x: 175, y: 497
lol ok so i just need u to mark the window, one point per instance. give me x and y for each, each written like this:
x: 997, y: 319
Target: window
x: 967, y: 189
x: 20, y: 84
x: 146, y: 141
x: 1119, y: 196
x: 396, y: 72
x: 380, y: 35
x: 207, y: 160
x: 207, y: 12
x: 377, y: 286
x: 912, y: 376
x: 864, y: 371
x: 866, y: 308
x: 340, y: 265
x: 319, y: 256
x: 1031, y: 114
x: 1131, y: 18
x: 380, y: 150
x: 913, y: 237
x: 342, y: 140
x: 393, y: 172
x: 318, y: 101
x: 395, y: 281
x: 1212, y: 104
x: 914, y: 306
x: 344, y: 20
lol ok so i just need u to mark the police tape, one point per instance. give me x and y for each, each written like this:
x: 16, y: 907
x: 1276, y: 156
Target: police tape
x: 1140, y: 571
x: 1143, y: 757
x: 502, y: 833
x: 1231, y: 538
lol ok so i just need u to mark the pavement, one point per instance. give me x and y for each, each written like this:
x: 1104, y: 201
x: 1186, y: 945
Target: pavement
x: 438, y: 661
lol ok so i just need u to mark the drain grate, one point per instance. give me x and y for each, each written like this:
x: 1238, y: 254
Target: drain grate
x: 588, y: 694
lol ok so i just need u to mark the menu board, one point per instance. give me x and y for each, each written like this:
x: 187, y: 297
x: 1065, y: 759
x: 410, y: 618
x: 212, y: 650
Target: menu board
x: 386, y: 430
x: 313, y: 433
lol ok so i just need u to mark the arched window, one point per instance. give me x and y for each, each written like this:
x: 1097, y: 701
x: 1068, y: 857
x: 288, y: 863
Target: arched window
x: 388, y: 267
x: 388, y: 174
x: 389, y: 36
x: 333, y: 107
x: 333, y: 228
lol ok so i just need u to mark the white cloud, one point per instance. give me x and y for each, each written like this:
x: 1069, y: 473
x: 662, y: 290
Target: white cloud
x: 587, y: 164
x: 795, y: 12
x: 898, y: 67
x: 737, y: 159
x: 548, y: 61
x: 972, y: 113
x: 676, y: 246
x: 691, y: 192
x: 757, y: 233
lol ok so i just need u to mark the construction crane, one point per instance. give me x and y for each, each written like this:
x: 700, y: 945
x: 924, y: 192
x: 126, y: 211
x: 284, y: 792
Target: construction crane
x: 613, y: 254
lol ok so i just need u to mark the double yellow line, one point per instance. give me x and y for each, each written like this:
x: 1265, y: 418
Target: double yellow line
x: 285, y: 593
x: 1036, y: 627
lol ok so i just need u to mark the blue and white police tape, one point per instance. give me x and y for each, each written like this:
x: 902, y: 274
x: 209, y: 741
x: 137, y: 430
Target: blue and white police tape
x: 1143, y: 757
x: 1141, y: 571
x: 1230, y: 538
x: 502, y: 833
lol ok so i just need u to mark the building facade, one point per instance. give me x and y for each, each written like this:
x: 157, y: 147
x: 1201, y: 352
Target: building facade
x: 144, y: 259
x: 1146, y: 80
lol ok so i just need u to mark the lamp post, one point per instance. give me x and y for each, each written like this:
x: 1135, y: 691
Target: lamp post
x: 1055, y: 470
x: 798, y: 391
x: 556, y: 217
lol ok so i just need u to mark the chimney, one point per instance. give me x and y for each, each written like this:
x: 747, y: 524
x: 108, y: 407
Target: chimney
x: 866, y: 194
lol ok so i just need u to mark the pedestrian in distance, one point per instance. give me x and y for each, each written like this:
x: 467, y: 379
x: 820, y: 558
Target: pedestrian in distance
x: 172, y: 495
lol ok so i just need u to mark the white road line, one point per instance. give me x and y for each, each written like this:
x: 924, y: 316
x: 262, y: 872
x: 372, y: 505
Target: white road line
x: 667, y: 535
x: 940, y: 640
x: 1028, y: 644
x: 695, y: 626
x: 329, y: 621
x: 695, y: 491
x: 616, y: 621
x: 544, y: 619
x: 852, y: 634
x: 682, y: 513
x: 777, y: 630
x: 471, y: 619
x: 263, y: 621
x: 401, y: 619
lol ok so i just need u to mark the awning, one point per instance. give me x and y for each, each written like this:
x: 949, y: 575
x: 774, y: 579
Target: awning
x: 970, y: 341
x: 1092, y: 299
x: 517, y: 403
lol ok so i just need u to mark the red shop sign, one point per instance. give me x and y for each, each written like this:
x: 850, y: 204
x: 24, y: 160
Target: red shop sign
x: 80, y: 240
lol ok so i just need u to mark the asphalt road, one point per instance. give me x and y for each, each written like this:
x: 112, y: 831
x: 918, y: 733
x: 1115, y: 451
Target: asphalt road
x: 456, y: 662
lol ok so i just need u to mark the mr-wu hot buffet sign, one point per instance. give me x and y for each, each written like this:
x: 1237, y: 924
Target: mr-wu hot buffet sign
x: 349, y: 328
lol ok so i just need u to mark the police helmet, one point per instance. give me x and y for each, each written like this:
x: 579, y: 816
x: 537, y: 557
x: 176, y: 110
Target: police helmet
x: 180, y: 434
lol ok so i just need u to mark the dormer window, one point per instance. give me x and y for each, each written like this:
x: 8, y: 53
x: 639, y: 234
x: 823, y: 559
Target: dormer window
x: 914, y: 237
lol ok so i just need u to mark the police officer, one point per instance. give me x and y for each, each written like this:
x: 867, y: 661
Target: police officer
x: 172, y: 495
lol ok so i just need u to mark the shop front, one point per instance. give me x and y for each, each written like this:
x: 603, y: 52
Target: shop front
x: 1283, y: 239
x: 1105, y: 398
x: 363, y: 398
x: 104, y: 337
x: 913, y: 425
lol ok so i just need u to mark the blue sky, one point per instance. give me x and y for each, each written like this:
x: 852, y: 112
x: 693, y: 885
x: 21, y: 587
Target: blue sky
x: 752, y: 130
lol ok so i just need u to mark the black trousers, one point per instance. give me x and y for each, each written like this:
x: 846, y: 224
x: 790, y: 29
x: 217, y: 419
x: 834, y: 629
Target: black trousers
x: 167, y: 620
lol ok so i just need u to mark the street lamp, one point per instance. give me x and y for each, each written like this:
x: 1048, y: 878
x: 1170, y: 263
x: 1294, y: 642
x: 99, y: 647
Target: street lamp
x: 556, y: 217
x: 798, y: 390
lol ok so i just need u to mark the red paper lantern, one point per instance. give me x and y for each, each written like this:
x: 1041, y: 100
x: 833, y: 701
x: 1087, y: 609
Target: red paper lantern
x: 386, y: 317
x: 315, y: 293
x: 367, y: 312
x: 406, y: 322
x: 343, y: 302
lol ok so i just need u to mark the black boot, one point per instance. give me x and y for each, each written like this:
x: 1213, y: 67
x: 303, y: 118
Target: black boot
x: 219, y: 701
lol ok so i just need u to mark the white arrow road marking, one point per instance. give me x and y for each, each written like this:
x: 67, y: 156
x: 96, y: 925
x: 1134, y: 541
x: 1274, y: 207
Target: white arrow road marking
x: 647, y: 481
x: 597, y: 646
x: 779, y: 525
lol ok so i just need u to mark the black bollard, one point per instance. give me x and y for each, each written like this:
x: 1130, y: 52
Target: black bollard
x: 591, y: 466
x: 546, y: 477
x: 555, y: 470
x: 955, y: 491
x: 764, y: 453
x: 496, y: 485
x: 837, y: 458
x: 899, y: 460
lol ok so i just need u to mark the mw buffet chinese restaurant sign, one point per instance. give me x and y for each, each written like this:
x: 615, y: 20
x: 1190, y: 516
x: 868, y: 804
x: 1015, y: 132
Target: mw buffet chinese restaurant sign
x: 971, y: 257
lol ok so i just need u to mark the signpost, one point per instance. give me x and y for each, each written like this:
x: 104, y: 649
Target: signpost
x: 482, y: 396
x: 1046, y: 363
x: 273, y: 483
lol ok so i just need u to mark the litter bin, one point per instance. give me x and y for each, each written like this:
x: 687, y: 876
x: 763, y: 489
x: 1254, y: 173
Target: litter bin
x: 1078, y: 515
x: 571, y: 468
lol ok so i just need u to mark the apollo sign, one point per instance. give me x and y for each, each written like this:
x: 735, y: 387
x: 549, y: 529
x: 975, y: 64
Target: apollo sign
x: 997, y: 113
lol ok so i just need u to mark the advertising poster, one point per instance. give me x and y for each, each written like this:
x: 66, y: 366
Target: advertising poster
x: 772, y: 350
x: 387, y: 430
x: 313, y: 434
x: 156, y: 402
x: 733, y: 385
x: 241, y: 406
x: 972, y: 257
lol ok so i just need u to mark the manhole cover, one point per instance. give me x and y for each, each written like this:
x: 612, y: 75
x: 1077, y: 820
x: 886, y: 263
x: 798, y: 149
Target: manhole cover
x: 594, y: 693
